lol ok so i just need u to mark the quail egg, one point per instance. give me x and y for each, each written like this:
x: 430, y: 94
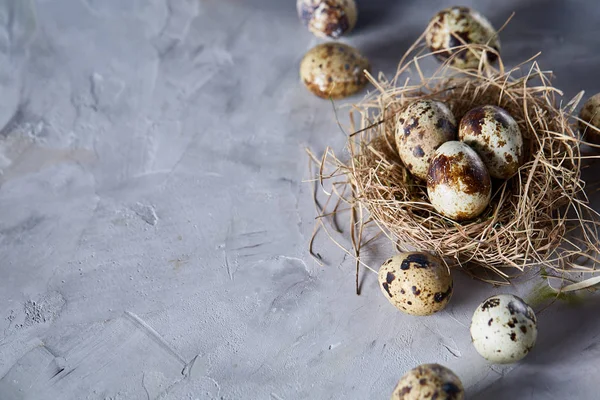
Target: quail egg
x: 416, y: 283
x: 328, y: 18
x: 457, y: 26
x: 495, y: 136
x: 429, y: 382
x: 420, y: 129
x: 590, y: 113
x: 334, y: 70
x: 458, y: 183
x: 503, y: 329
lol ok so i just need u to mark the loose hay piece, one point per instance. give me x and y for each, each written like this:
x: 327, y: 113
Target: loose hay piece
x: 540, y: 217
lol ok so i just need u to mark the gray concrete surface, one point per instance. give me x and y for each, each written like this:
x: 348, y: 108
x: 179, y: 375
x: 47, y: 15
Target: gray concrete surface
x: 154, y: 221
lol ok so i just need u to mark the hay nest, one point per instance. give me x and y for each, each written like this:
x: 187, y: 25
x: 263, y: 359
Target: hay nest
x: 539, y: 218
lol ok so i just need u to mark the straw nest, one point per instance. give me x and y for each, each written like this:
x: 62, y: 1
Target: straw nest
x: 539, y: 217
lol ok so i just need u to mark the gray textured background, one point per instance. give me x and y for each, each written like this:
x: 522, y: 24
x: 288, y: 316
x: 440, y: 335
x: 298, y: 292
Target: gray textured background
x: 154, y: 221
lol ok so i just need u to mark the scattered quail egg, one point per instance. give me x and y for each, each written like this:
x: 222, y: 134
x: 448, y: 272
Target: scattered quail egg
x: 503, y: 329
x: 458, y: 183
x: 416, y: 283
x: 495, y: 136
x: 328, y: 18
x: 429, y: 381
x: 590, y: 113
x: 457, y: 26
x: 334, y: 70
x: 420, y: 129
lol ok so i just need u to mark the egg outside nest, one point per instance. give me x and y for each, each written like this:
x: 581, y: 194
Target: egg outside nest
x: 503, y: 329
x: 429, y: 382
x: 416, y: 283
x: 334, y: 70
x: 328, y: 18
x: 452, y: 30
x: 527, y: 214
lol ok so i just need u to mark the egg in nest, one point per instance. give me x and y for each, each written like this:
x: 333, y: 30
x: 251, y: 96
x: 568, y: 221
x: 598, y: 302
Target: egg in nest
x: 420, y: 129
x: 328, y: 18
x: 503, y: 329
x: 494, y: 134
x: 458, y: 183
x: 334, y: 70
x: 457, y: 26
x: 416, y: 283
x: 590, y: 113
x: 429, y: 382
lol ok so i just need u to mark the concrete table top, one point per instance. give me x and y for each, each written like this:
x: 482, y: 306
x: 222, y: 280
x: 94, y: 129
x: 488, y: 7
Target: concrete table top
x: 154, y: 219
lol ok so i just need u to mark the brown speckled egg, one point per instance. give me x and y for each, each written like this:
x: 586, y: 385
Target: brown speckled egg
x: 495, y: 136
x: 416, y: 283
x: 503, y: 329
x: 590, y: 113
x: 420, y: 129
x: 457, y: 26
x: 328, y: 18
x: 429, y: 382
x: 334, y: 70
x: 458, y: 183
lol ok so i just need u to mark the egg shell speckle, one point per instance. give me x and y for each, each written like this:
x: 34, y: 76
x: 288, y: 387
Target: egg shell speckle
x: 590, y: 113
x: 420, y: 129
x: 429, y: 382
x: 458, y: 183
x: 494, y: 134
x: 334, y: 69
x: 503, y: 329
x: 328, y: 18
x: 416, y: 283
x: 457, y: 26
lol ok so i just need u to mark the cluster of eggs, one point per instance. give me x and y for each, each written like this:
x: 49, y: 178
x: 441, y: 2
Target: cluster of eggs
x: 503, y: 330
x: 503, y: 327
x: 458, y: 161
x: 332, y: 70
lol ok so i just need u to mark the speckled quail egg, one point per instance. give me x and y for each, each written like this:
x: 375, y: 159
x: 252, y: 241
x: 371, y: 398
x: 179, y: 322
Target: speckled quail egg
x: 458, y: 183
x: 429, y: 382
x: 503, y: 329
x: 420, y: 129
x: 334, y: 70
x: 457, y: 26
x: 328, y: 18
x: 590, y: 113
x: 416, y: 283
x: 495, y: 136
